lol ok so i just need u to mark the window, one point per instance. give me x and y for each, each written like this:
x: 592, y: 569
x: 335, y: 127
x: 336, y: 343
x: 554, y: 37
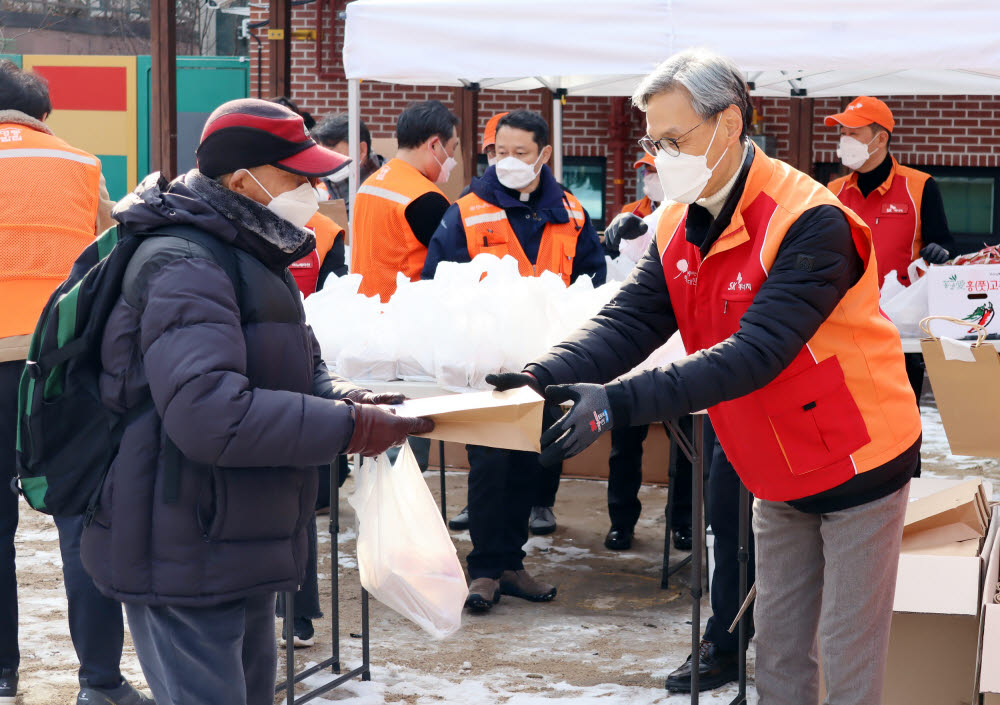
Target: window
x: 584, y: 176
x: 971, y: 204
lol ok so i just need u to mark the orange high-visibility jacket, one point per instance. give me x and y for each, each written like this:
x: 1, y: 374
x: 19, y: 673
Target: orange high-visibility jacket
x: 382, y: 241
x: 487, y: 229
x: 40, y: 237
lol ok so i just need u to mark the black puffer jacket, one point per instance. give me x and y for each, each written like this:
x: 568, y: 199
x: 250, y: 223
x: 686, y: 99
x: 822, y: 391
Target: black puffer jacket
x: 215, y: 481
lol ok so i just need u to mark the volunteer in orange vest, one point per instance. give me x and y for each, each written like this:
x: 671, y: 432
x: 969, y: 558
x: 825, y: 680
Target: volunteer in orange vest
x: 773, y: 286
x: 398, y: 208
x: 652, y: 192
x: 54, y: 202
x: 629, y: 224
x: 515, y: 208
x: 333, y: 133
x: 490, y: 138
x: 901, y: 205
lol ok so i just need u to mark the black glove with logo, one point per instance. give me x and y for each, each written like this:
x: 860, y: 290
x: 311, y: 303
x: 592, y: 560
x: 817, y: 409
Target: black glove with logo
x: 366, y: 396
x: 505, y: 381
x: 625, y: 226
x: 935, y: 254
x: 578, y: 427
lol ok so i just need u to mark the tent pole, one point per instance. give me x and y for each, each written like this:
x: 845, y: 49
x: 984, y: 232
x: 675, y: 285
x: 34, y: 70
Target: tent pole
x: 354, y: 136
x: 558, y: 96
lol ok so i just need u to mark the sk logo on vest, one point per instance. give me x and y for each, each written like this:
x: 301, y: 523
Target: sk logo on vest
x: 738, y: 285
x: 600, y: 421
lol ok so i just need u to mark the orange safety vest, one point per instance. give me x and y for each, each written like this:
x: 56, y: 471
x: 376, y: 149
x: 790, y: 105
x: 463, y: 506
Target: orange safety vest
x: 382, y: 242
x: 641, y: 208
x: 48, y: 214
x: 306, y: 270
x: 844, y: 405
x: 892, y: 211
x: 487, y: 229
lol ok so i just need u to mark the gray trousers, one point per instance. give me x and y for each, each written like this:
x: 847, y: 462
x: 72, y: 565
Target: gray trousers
x: 221, y: 655
x: 828, y: 574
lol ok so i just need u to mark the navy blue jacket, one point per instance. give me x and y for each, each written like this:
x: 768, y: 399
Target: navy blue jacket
x: 527, y: 220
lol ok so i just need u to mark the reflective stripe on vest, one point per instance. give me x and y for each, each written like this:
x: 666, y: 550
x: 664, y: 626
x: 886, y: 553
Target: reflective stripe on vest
x: 48, y: 214
x: 487, y: 229
x: 383, y: 244
x: 844, y: 405
x: 892, y: 211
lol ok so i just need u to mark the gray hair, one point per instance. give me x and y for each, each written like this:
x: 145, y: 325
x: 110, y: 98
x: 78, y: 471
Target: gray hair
x: 713, y: 82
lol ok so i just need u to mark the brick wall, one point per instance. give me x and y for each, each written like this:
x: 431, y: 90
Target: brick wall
x: 931, y: 130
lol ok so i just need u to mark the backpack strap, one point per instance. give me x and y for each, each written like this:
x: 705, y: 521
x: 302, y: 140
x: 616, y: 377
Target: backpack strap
x: 222, y: 254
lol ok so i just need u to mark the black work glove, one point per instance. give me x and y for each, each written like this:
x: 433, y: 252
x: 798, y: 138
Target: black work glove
x: 366, y: 396
x: 625, y: 226
x: 935, y: 254
x: 512, y: 380
x: 578, y: 427
x: 377, y: 430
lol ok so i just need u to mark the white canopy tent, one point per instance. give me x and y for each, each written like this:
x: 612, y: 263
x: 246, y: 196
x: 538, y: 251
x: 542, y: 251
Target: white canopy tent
x: 600, y: 47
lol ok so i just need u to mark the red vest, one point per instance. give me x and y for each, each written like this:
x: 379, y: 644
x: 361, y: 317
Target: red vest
x: 306, y: 270
x: 844, y: 405
x: 641, y: 208
x: 488, y: 230
x: 892, y: 211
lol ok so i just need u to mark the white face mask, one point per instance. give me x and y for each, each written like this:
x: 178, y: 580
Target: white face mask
x: 296, y: 206
x: 515, y: 174
x: 853, y: 152
x: 652, y: 187
x: 446, y: 166
x: 684, y: 177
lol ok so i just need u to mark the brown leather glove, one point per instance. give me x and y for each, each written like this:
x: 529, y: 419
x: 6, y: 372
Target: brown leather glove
x: 366, y: 396
x: 377, y: 430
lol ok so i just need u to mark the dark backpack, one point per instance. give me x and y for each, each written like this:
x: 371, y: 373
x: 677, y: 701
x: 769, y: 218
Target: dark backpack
x: 66, y: 437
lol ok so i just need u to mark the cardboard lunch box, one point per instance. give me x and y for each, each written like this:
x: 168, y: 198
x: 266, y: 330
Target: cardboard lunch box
x: 935, y: 633
x: 989, y: 651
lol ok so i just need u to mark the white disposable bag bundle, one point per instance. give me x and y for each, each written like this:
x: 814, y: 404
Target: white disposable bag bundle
x: 406, y: 558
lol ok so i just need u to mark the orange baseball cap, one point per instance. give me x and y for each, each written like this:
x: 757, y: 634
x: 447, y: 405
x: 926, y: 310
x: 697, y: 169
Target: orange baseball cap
x: 646, y: 160
x: 490, y: 132
x: 862, y: 111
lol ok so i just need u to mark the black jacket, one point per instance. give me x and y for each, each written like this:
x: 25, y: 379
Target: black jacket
x: 215, y: 481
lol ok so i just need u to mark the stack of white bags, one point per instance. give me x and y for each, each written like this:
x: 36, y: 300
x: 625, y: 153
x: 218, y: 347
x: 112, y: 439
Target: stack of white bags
x: 471, y: 320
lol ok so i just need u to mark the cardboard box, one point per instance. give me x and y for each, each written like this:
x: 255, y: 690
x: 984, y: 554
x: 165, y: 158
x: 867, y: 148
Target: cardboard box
x: 590, y: 464
x: 934, y: 639
x: 969, y: 293
x: 989, y: 651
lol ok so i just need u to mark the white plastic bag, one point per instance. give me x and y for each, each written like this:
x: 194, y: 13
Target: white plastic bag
x: 406, y: 558
x: 907, y: 308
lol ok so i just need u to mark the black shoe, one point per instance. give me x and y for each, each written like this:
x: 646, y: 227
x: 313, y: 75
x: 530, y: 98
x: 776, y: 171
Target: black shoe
x: 302, y: 631
x: 618, y: 539
x: 8, y: 685
x: 682, y: 538
x: 123, y: 694
x: 715, y: 669
x: 460, y: 522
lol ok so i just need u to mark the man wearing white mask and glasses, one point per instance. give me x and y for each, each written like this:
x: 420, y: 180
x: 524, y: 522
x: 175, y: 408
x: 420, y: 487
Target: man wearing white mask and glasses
x: 398, y: 208
x: 515, y: 208
x: 901, y: 205
x: 772, y: 284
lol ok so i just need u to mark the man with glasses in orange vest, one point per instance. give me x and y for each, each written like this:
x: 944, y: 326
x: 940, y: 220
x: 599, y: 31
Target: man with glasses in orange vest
x: 902, y: 205
x: 54, y: 203
x: 772, y: 284
x: 516, y: 208
x: 398, y: 208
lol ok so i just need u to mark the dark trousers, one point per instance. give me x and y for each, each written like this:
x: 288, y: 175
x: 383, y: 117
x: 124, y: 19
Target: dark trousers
x: 307, y: 598
x: 501, y: 492
x: 220, y: 655
x: 625, y: 478
x: 10, y: 373
x: 95, y: 621
x: 546, y: 485
x: 722, y: 507
x: 915, y: 373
